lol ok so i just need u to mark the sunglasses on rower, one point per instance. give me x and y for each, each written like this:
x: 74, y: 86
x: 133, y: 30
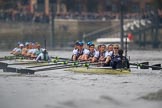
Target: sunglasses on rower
x: 116, y: 48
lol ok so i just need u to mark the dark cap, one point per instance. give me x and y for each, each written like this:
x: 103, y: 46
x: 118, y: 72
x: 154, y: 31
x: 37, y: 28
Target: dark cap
x: 79, y: 43
x: 89, y: 43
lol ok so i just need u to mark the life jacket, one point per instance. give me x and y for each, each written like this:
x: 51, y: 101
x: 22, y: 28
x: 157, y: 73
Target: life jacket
x: 101, y: 56
x: 43, y: 56
x: 91, y: 54
x: 116, y: 58
x: 80, y: 52
x: 38, y: 51
x: 118, y: 61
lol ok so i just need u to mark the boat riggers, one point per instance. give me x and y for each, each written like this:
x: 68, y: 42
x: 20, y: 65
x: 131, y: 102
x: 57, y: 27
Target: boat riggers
x: 32, y: 70
x: 55, y: 61
x: 61, y: 61
x: 54, y: 66
x: 21, y: 61
x: 5, y: 64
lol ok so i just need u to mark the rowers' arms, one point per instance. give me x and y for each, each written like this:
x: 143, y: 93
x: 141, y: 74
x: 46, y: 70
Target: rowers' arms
x: 108, y: 59
x: 74, y: 57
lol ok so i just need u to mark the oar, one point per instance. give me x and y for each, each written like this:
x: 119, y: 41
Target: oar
x: 60, y: 58
x: 3, y: 65
x: 1, y: 59
x: 145, y: 65
x: 21, y: 63
x: 6, y: 58
x: 156, y: 67
x: 31, y: 71
x: 12, y: 57
x: 49, y: 64
x: 62, y: 66
x: 61, y: 63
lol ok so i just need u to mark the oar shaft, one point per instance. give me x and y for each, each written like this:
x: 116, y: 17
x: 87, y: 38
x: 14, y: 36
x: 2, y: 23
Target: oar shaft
x: 61, y: 63
x: 60, y: 58
x: 155, y: 67
x: 27, y: 70
x: 53, y: 68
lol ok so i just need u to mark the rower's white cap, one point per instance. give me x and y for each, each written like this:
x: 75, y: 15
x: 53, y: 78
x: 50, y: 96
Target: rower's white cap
x: 26, y: 43
x: 18, y: 43
x: 21, y: 45
x: 43, y: 49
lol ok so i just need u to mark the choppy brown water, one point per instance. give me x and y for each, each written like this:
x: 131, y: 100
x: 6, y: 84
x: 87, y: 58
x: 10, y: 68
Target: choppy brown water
x: 63, y: 89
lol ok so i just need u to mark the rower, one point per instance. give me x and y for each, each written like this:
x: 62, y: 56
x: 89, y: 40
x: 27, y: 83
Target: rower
x: 76, y: 46
x: 108, y: 54
x: 116, y: 61
x: 92, y: 52
x: 25, y: 49
x: 100, y: 54
x: 89, y: 52
x: 125, y: 61
x: 17, y: 47
x: 43, y: 56
x: 18, y: 50
x: 30, y: 50
x: 37, y: 50
x: 109, y: 49
x: 79, y: 51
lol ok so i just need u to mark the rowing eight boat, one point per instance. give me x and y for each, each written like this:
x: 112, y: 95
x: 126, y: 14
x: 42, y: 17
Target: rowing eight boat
x: 72, y: 66
x: 99, y: 70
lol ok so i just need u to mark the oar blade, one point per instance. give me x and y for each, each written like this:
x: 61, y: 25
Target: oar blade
x: 9, y: 69
x: 144, y: 65
x: 26, y: 71
x: 18, y: 70
x: 156, y: 67
x: 3, y: 65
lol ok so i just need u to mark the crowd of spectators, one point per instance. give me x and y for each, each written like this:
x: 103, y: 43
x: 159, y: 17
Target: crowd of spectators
x: 26, y: 16
x: 23, y: 16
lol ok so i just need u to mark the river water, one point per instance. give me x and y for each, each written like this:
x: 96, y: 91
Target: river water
x: 64, y: 89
